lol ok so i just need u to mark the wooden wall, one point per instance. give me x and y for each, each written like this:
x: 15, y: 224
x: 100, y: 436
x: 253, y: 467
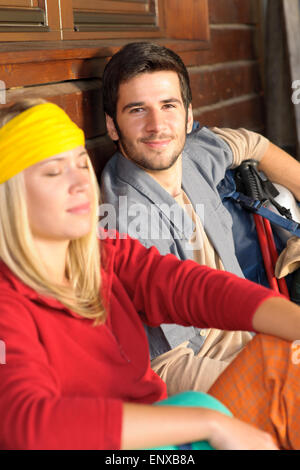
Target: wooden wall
x: 225, y: 76
x: 227, y: 88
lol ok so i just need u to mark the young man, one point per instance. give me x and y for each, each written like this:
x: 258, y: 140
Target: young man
x: 163, y: 185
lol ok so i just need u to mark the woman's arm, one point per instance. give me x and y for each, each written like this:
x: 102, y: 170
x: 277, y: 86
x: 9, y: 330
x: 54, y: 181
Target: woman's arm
x: 148, y: 426
x: 278, y: 317
x: 167, y: 290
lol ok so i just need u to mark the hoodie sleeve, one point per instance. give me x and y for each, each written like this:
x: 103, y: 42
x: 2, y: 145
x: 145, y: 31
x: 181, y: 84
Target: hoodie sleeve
x: 167, y: 290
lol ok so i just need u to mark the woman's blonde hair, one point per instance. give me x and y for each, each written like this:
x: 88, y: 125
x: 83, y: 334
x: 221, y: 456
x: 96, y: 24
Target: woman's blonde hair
x: 17, y: 248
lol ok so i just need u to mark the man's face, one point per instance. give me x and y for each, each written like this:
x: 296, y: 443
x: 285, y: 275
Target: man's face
x: 152, y: 120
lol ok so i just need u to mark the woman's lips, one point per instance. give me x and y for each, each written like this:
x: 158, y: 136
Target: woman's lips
x: 82, y: 209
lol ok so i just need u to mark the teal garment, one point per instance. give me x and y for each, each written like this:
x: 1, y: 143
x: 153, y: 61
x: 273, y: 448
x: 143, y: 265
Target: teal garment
x: 193, y: 399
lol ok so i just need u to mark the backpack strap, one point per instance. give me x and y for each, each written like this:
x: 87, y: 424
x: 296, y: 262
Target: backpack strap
x: 258, y: 207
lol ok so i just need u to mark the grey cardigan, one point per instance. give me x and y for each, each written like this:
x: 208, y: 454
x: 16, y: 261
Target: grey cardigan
x: 142, y: 209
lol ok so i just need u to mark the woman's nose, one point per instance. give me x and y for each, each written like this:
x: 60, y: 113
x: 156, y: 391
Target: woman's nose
x: 80, y: 180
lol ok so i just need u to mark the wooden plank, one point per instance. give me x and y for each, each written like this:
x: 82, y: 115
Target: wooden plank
x: 247, y: 114
x: 291, y: 10
x: 231, y: 12
x: 16, y: 75
x: 222, y: 82
x: 18, y: 3
x: 43, y: 51
x: 226, y: 45
x: 110, y: 19
x: 30, y: 36
x: 82, y: 100
x: 22, y: 16
x: 186, y: 19
x: 132, y: 34
x: 118, y: 7
x: 100, y: 150
x: 66, y: 15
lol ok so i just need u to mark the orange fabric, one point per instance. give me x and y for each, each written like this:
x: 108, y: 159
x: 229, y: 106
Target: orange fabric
x: 262, y: 387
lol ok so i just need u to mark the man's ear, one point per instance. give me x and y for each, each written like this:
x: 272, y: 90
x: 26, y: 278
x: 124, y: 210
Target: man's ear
x: 111, y: 129
x: 190, y: 119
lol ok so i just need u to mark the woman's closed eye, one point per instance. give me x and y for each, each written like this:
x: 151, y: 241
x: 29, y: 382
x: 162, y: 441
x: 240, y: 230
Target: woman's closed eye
x: 58, y: 170
x: 83, y: 165
x: 54, y: 172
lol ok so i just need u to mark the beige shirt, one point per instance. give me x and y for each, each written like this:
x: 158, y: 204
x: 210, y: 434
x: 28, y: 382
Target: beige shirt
x: 244, y: 144
x: 219, y: 345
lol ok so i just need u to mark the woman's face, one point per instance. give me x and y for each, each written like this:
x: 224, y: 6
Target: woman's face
x: 59, y: 196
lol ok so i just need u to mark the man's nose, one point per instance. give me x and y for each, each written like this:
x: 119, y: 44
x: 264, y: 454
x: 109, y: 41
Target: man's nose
x: 155, y: 121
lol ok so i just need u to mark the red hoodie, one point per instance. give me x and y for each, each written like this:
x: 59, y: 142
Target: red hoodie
x: 64, y: 380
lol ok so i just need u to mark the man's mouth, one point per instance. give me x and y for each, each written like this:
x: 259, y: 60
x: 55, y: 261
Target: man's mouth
x: 157, y: 143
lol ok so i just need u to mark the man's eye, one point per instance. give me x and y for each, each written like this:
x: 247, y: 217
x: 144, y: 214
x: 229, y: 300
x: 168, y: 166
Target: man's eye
x: 136, y: 110
x: 169, y: 105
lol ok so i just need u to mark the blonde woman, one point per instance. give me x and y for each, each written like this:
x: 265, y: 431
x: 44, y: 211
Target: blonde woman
x: 77, y: 373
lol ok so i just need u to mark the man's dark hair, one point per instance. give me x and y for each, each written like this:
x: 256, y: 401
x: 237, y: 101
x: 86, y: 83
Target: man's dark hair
x: 136, y: 58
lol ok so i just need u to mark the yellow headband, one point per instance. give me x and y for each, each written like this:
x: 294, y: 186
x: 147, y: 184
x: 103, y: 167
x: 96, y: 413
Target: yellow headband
x: 38, y: 133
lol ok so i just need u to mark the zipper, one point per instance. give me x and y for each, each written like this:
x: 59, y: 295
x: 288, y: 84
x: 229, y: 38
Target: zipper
x: 120, y: 348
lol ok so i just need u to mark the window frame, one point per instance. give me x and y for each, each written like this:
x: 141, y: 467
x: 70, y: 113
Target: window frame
x: 51, y: 31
